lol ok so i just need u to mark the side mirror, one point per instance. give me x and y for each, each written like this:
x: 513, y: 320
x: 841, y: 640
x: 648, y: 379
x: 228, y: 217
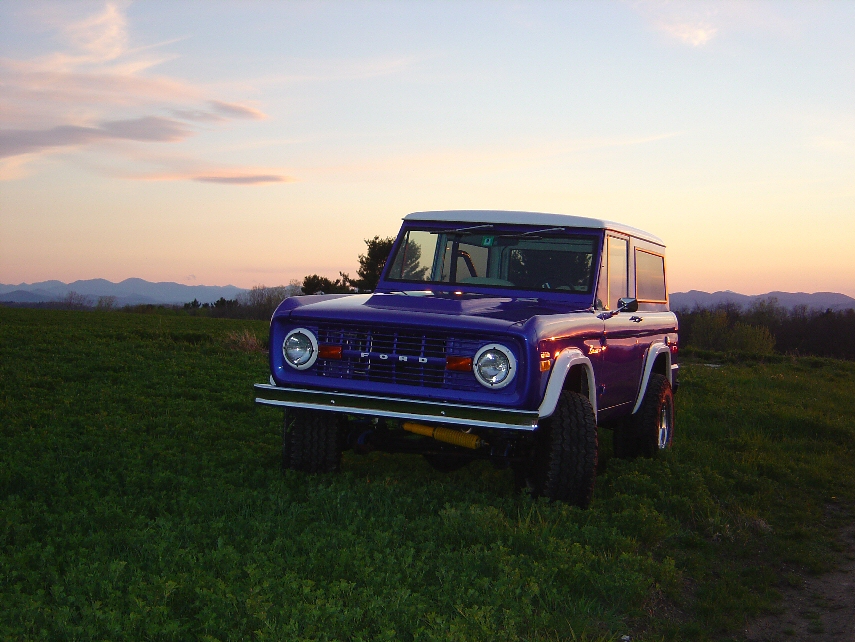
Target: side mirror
x: 627, y: 305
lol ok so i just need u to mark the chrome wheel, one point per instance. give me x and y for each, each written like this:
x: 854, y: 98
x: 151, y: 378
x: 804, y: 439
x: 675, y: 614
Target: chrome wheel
x: 650, y: 430
x: 665, y: 419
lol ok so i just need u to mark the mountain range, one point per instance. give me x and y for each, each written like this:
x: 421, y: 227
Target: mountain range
x: 816, y: 300
x: 139, y: 291
x: 127, y: 292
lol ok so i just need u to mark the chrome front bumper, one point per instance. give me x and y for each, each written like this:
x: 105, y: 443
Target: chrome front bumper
x: 352, y: 404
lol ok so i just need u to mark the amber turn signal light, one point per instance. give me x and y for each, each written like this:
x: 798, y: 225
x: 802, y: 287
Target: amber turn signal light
x: 329, y: 352
x: 459, y: 364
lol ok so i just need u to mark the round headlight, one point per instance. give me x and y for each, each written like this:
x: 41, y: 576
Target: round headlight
x: 494, y: 366
x: 300, y: 348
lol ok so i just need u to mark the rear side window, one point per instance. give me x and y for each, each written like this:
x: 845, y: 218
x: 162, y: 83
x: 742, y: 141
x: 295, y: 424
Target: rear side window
x: 649, y: 277
x: 617, y: 271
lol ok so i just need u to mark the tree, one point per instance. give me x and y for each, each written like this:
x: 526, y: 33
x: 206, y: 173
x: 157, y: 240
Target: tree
x: 413, y: 270
x: 76, y: 301
x: 315, y: 284
x: 260, y: 301
x: 370, y: 267
x: 225, y: 303
x: 372, y: 262
x: 106, y: 303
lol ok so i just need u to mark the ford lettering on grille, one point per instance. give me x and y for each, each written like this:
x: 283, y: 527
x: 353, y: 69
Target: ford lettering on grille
x: 404, y: 357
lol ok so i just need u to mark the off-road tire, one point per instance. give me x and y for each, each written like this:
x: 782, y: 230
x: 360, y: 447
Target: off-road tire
x: 564, y: 467
x: 312, y: 441
x: 639, y: 434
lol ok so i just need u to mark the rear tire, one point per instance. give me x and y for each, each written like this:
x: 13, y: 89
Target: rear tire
x: 565, y: 458
x: 651, y: 429
x: 312, y: 441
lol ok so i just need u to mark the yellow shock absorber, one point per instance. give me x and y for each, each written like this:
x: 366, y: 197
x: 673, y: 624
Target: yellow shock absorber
x: 447, y: 435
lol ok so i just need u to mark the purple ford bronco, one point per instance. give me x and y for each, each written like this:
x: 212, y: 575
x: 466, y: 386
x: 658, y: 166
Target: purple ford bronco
x: 507, y: 336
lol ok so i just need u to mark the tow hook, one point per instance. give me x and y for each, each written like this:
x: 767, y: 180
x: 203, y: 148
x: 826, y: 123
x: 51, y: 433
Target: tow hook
x: 446, y: 435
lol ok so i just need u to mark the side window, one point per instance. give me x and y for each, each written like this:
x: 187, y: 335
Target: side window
x: 649, y: 277
x: 617, y: 268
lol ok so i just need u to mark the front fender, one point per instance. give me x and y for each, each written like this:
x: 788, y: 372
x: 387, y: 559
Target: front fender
x: 567, y: 359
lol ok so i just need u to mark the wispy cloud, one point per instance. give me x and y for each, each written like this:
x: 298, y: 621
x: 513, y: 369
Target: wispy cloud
x: 155, y: 166
x: 255, y: 179
x: 695, y: 34
x: 103, y: 36
x: 37, y: 93
x: 198, y: 115
x: 697, y: 23
x: 222, y: 177
x: 235, y: 110
x: 97, y: 90
x: 147, y: 129
x: 691, y: 23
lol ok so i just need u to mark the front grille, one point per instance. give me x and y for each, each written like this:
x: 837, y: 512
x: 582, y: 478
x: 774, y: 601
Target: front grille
x: 404, y: 357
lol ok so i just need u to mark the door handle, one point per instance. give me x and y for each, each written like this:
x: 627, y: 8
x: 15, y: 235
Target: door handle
x: 635, y: 319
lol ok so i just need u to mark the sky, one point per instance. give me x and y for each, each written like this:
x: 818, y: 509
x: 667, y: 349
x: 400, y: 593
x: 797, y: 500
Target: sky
x: 252, y: 143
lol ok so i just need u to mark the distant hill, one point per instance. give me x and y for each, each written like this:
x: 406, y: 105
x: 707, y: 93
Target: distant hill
x: 139, y: 291
x: 817, y: 300
x: 127, y: 292
x: 22, y: 296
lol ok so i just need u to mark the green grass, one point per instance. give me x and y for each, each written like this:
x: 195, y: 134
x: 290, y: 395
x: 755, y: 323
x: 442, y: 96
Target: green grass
x: 141, y: 498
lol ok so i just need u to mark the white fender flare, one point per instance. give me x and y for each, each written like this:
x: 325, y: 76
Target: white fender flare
x: 566, y: 359
x: 652, y: 353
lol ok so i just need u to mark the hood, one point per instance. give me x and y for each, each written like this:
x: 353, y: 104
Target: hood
x: 423, y: 308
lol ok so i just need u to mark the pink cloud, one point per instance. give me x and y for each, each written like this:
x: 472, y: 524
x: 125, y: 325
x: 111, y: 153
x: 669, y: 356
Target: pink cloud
x: 184, y: 169
x: 254, y: 179
x: 146, y: 129
x: 102, y: 36
x: 235, y: 110
x: 98, y: 91
x: 198, y: 115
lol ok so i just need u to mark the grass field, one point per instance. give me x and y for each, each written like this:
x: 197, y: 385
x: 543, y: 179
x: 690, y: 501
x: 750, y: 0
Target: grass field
x: 141, y: 498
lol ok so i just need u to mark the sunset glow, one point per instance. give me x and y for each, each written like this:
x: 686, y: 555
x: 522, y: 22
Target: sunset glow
x: 254, y: 143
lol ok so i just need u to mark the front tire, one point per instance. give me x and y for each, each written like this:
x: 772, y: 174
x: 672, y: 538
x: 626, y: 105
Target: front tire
x: 651, y: 429
x: 565, y: 457
x: 311, y: 441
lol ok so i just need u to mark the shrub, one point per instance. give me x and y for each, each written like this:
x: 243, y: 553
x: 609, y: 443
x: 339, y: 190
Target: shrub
x: 750, y: 338
x: 245, y: 341
x: 709, y: 330
x: 766, y: 326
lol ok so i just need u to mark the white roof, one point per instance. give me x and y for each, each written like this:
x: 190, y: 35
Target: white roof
x: 530, y: 218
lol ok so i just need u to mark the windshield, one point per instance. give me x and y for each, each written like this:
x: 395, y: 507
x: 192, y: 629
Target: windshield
x: 535, y: 260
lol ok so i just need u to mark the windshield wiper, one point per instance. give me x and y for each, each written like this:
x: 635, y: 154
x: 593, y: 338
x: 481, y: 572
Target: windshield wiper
x: 531, y: 232
x: 466, y: 229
